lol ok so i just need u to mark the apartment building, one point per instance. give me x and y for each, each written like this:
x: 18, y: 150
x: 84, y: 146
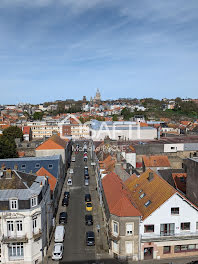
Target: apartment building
x: 25, y: 217
x: 80, y: 131
x: 169, y: 223
x: 122, y: 218
x: 42, y: 129
x: 148, y: 219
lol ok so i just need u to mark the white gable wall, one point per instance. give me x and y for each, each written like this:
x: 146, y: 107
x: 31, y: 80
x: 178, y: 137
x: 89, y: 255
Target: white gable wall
x: 163, y: 216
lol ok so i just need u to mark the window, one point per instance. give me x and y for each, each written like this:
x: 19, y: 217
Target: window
x: 129, y: 229
x: 167, y: 249
x: 175, y: 210
x: 142, y: 195
x: 10, y: 225
x: 19, y: 225
x: 23, y: 166
x: 147, y: 203
x: 50, y: 166
x: 34, y: 201
x: 167, y: 229
x: 182, y: 248
x: 13, y: 204
x: 37, y: 165
x: 15, y: 250
x: 172, y: 147
x: 185, y: 226
x: 115, y: 228
x: 34, y: 223
x: 148, y: 228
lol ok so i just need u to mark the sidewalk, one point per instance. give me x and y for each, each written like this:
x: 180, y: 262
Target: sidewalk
x: 101, y: 247
x: 48, y: 257
x: 183, y: 260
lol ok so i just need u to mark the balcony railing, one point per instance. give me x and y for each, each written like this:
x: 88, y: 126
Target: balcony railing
x: 37, y: 235
x: 15, y: 238
x: 169, y: 236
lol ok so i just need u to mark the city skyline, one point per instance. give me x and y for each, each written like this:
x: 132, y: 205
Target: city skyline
x: 53, y: 50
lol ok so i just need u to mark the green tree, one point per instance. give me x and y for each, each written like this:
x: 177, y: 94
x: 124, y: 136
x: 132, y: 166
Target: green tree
x: 38, y: 115
x: 115, y: 118
x: 12, y: 132
x: 7, y: 148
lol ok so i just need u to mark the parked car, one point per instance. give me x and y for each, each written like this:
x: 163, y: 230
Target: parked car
x: 63, y: 218
x: 59, y: 234
x: 65, y: 201
x: 89, y: 220
x: 71, y: 170
x: 85, y: 154
x: 66, y: 194
x: 86, y: 182
x: 89, y: 207
x: 73, y: 159
x: 85, y: 158
x: 90, y: 238
x: 69, y: 181
x: 86, y: 169
x: 87, y: 197
x: 57, y: 253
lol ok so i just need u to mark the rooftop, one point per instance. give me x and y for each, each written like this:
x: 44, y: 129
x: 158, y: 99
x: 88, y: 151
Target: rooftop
x: 149, y: 192
x: 117, y: 197
x: 19, y: 185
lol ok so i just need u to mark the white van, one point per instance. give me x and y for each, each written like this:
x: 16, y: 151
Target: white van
x: 59, y: 234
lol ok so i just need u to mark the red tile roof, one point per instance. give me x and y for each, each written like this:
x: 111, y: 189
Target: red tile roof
x: 117, y: 197
x: 156, y: 161
x: 26, y: 130
x: 52, y: 180
x: 54, y: 142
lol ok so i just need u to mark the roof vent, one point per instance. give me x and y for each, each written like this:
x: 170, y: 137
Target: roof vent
x: 150, y: 177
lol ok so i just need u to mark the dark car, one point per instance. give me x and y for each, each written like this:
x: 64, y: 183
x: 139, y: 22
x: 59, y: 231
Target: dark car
x: 87, y: 197
x: 86, y: 175
x: 66, y: 194
x: 88, y: 220
x: 90, y: 238
x: 63, y: 218
x: 65, y: 201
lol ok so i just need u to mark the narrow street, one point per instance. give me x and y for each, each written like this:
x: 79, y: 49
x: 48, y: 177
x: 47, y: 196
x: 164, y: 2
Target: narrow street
x: 75, y: 248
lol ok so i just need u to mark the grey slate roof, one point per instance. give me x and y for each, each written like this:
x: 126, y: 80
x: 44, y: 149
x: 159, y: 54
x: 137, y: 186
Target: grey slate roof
x: 29, y: 184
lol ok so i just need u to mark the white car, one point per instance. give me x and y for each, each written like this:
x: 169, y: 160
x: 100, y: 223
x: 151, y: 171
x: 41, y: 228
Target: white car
x: 69, y: 181
x: 73, y: 159
x: 71, y: 170
x: 57, y: 253
x: 86, y: 182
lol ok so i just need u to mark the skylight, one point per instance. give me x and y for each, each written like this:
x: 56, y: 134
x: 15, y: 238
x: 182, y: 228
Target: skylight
x: 147, y: 203
x: 142, y: 195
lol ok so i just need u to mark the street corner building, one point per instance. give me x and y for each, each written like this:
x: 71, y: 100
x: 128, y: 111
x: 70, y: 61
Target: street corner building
x: 147, y: 218
x: 25, y: 217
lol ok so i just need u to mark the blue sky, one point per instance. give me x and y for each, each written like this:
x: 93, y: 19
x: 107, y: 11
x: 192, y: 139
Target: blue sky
x: 58, y: 49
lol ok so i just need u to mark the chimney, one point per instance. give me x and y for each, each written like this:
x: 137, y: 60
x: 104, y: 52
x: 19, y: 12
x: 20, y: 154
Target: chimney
x: 8, y: 174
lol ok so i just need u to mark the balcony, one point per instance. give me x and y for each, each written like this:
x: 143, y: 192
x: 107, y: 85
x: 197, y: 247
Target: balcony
x: 14, y: 239
x: 113, y: 237
x: 169, y: 237
x: 37, y: 235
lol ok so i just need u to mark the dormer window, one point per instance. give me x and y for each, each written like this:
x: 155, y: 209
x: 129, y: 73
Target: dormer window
x: 13, y: 204
x: 33, y: 201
